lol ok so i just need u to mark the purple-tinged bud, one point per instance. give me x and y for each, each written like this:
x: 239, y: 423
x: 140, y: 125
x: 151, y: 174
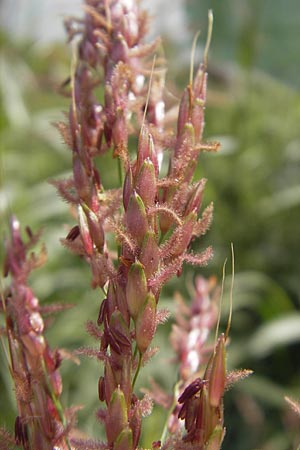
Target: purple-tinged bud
x: 35, y: 343
x: 125, y: 379
x: 198, y: 119
x: 216, y: 438
x: 200, y: 86
x: 52, y: 359
x: 136, y: 289
x: 110, y: 381
x: 135, y: 421
x: 111, y: 300
x: 152, y: 154
x: 81, y: 180
x: 217, y: 378
x: 184, y: 111
x: 127, y: 188
x: 146, y: 183
x: 200, y: 82
x: 203, y: 410
x: 136, y: 218
x: 118, y: 332
x: 195, y: 200
x: 121, y: 302
x: 56, y: 383
x: 184, y: 145
x: 145, y: 325
x: 146, y: 150
x: 99, y: 270
x: 117, y: 419
x: 143, y: 147
x: 96, y: 230
x: 181, y: 237
x: 85, y: 232
x: 124, y: 441
x: 97, y: 180
x: 119, y: 131
x: 149, y: 255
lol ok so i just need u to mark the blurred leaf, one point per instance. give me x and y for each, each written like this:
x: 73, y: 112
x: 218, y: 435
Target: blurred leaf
x: 279, y: 332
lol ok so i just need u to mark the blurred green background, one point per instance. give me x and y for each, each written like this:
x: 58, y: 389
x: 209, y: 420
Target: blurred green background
x: 253, y: 109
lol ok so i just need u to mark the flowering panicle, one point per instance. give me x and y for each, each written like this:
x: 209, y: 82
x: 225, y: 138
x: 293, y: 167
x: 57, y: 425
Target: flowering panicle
x: 41, y: 422
x: 154, y: 218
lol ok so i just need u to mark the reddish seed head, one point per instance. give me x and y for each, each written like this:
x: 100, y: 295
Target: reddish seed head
x: 81, y: 180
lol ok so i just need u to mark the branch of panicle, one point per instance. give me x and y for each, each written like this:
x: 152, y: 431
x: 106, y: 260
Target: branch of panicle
x: 41, y: 422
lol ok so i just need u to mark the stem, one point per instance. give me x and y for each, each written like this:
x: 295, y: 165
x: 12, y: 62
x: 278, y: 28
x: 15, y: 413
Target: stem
x: 135, y: 352
x: 137, y: 369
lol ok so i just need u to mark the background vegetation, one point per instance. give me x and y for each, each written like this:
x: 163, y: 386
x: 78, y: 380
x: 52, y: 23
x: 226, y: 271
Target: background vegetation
x: 254, y: 110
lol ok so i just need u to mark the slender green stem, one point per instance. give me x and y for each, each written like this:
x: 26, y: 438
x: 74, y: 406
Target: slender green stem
x: 137, y: 369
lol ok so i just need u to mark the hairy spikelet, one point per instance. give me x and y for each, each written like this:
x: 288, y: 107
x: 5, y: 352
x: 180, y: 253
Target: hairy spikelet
x: 90, y: 352
x: 200, y: 259
x: 202, y: 225
x: 165, y: 273
x: 66, y: 190
x: 64, y: 131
